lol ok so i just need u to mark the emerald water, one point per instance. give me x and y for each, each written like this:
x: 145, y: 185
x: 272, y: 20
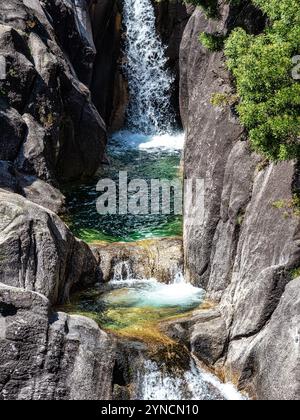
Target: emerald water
x: 134, y: 310
x: 143, y: 157
x: 129, y: 307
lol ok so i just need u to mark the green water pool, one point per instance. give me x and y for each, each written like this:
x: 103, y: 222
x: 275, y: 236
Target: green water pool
x: 143, y: 157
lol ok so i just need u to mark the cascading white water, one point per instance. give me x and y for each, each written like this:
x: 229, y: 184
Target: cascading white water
x: 156, y: 383
x: 149, y: 80
x: 122, y: 272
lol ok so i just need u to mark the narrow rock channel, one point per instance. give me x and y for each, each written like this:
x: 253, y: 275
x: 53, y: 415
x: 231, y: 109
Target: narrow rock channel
x: 132, y: 304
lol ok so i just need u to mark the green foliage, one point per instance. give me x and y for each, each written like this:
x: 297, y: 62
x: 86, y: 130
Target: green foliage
x: 295, y: 273
x: 213, y: 42
x: 224, y: 99
x: 291, y: 206
x: 262, y: 65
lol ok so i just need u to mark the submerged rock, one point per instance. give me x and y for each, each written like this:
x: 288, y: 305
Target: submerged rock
x: 161, y: 259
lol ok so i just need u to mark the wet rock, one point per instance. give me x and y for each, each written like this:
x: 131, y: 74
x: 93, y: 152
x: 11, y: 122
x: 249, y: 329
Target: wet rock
x: 161, y: 259
x: 208, y: 336
x: 203, y: 332
x: 50, y: 356
x: 38, y: 252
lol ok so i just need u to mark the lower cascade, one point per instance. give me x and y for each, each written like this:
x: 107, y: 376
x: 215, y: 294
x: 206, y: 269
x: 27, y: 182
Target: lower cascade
x: 157, y: 383
x: 136, y: 310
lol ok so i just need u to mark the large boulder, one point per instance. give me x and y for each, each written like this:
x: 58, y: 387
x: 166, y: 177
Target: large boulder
x: 38, y: 252
x: 50, y: 356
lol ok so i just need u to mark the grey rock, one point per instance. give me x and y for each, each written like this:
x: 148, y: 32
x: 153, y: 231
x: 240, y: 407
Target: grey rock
x: 208, y: 336
x: 50, y: 356
x: 7, y: 177
x: 260, y: 271
x: 41, y: 193
x: 210, y: 134
x: 38, y: 252
x: 31, y: 187
x: 172, y: 17
x: 236, y: 194
x: 267, y: 364
x: 13, y: 130
x: 48, y: 122
x: 161, y: 259
x: 107, y: 76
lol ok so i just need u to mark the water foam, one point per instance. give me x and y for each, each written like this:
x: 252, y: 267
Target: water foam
x: 168, y: 142
x: 151, y: 293
x: 160, y: 383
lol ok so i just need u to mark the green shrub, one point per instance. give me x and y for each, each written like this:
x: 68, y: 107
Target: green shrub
x: 213, y: 42
x: 262, y: 65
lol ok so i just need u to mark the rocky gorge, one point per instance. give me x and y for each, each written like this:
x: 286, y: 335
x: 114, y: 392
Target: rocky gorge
x: 64, y: 93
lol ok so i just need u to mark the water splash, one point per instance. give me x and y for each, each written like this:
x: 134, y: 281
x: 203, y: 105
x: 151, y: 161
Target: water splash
x: 160, y: 383
x: 149, y: 80
x: 123, y: 141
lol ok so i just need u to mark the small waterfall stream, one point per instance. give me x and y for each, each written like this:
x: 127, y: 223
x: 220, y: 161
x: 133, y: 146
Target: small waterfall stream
x: 149, y: 80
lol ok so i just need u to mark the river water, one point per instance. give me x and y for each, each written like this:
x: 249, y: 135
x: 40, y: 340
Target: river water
x: 149, y: 147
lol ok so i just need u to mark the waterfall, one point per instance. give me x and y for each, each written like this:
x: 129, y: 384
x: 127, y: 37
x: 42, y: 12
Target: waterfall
x: 150, y: 82
x: 122, y: 272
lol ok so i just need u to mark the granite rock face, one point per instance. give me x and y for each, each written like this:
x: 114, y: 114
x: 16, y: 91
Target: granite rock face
x: 245, y: 251
x: 50, y: 129
x: 50, y: 356
x: 161, y: 259
x: 38, y: 253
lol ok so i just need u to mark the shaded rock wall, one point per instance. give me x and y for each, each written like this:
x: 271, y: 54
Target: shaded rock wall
x: 108, y: 86
x: 246, y: 247
x: 50, y: 129
x: 172, y: 17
